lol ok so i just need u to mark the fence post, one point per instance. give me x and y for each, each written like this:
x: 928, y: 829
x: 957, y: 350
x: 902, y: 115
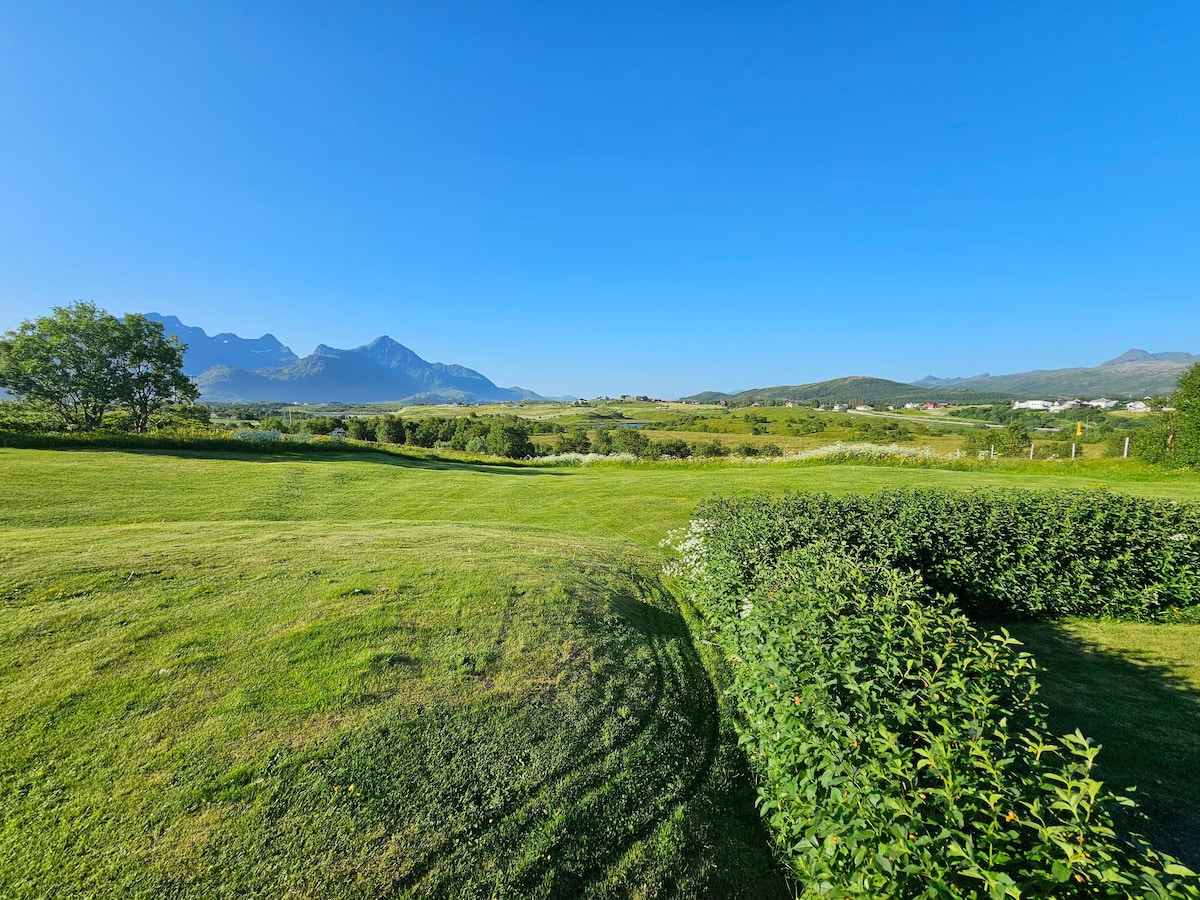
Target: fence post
x: 1031, y: 450
x: 1125, y: 454
x: 1072, y: 451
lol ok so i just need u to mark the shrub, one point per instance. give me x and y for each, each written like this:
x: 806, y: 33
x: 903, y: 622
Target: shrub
x: 904, y: 754
x: 1017, y: 553
x: 259, y: 436
x: 901, y: 751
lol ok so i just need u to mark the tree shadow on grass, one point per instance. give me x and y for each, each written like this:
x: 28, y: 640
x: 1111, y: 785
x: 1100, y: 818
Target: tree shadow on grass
x: 1144, y: 714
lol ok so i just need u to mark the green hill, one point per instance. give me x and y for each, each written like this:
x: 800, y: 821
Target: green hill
x: 854, y: 388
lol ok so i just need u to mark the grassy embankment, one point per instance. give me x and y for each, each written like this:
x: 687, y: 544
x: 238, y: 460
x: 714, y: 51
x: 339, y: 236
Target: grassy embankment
x: 358, y: 674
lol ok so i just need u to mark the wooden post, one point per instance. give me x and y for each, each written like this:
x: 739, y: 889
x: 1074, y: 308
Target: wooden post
x: 1125, y: 454
x: 993, y: 451
x: 1072, y: 451
x: 1031, y: 450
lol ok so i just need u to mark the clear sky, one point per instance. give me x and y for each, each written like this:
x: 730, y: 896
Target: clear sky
x: 611, y: 197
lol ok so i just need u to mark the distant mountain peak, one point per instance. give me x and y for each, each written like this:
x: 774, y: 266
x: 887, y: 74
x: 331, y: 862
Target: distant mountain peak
x: 231, y: 368
x: 1134, y: 355
x: 225, y: 348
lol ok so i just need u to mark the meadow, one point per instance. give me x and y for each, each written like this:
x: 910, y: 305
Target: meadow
x: 359, y: 675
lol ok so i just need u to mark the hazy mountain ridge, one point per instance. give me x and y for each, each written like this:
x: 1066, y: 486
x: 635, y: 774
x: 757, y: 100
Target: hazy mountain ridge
x: 1135, y: 373
x: 224, y: 349
x: 231, y: 368
x: 853, y: 388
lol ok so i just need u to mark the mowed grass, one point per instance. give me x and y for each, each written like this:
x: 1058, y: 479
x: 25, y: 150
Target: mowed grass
x: 1135, y: 689
x: 370, y: 675
x: 299, y: 709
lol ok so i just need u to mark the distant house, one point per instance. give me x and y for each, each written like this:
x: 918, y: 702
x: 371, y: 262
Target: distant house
x: 1065, y: 406
x: 1102, y: 403
x: 1040, y: 405
x: 840, y: 407
x: 1138, y: 406
x: 864, y: 408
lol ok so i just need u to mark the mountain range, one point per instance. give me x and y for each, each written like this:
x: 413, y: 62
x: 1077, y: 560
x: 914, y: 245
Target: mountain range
x: 853, y: 388
x: 231, y: 368
x: 1133, y: 374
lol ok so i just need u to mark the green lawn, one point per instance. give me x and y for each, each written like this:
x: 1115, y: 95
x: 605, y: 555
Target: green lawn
x: 365, y: 675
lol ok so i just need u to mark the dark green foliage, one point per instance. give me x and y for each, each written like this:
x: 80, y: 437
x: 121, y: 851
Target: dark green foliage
x: 902, y: 752
x: 674, y: 448
x: 1017, y: 553
x: 629, y: 440
x: 711, y: 450
x: 574, y: 441
x: 389, y: 430
x: 1185, y: 420
x: 504, y: 439
x: 361, y: 429
x: 1175, y: 441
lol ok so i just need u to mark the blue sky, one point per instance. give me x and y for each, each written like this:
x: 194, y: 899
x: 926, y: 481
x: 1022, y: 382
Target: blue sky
x: 609, y: 197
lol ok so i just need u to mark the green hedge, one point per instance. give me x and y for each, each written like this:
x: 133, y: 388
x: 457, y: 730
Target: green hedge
x: 901, y: 751
x: 1020, y: 554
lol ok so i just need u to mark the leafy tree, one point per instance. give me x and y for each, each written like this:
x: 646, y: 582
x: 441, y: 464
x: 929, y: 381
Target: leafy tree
x: 81, y: 361
x: 629, y: 440
x: 574, y: 441
x: 712, y: 449
x: 509, y: 440
x: 674, y: 448
x: 149, y: 370
x: 1182, y: 445
x: 361, y: 429
x: 1011, y: 440
x: 1173, y: 439
x: 390, y: 430
x: 66, y: 361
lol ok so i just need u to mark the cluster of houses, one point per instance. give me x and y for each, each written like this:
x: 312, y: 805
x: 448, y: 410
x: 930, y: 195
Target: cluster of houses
x: 1061, y: 406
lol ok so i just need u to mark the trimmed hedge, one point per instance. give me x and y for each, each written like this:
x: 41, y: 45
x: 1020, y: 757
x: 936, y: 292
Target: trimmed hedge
x: 902, y: 752
x: 1014, y: 554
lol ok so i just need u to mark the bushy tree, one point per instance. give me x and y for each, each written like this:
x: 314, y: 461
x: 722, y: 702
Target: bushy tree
x: 361, y: 428
x: 574, y: 441
x: 509, y: 440
x: 390, y: 430
x: 674, y: 448
x: 629, y: 440
x: 81, y: 361
x: 1185, y: 420
x: 66, y: 361
x: 1011, y: 440
x: 149, y: 370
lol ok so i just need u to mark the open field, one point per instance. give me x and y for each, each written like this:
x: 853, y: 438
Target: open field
x: 370, y: 674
